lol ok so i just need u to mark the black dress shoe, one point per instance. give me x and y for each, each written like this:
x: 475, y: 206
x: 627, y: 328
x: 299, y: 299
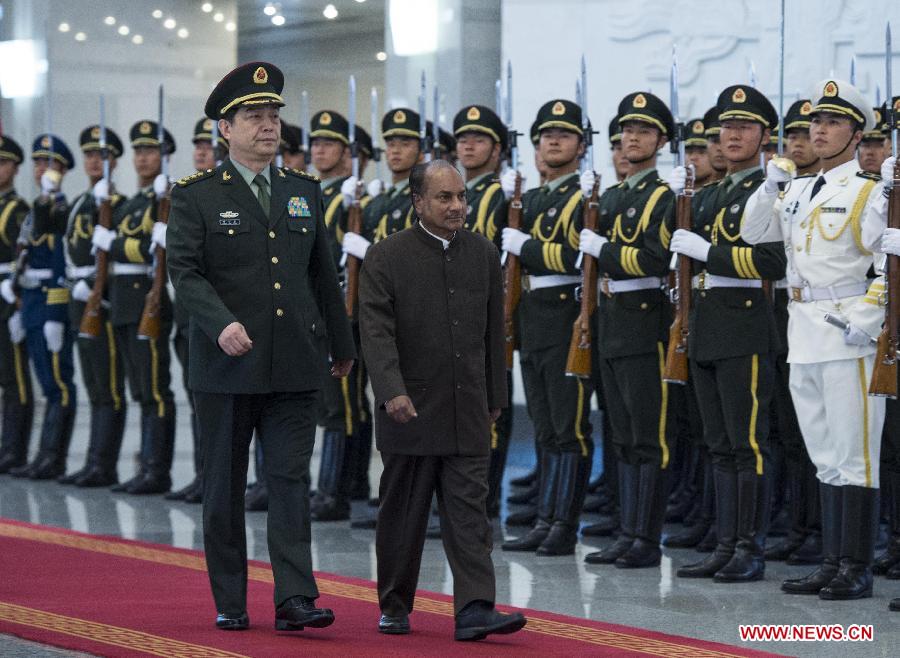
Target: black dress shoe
x: 226, y: 622
x: 706, y: 568
x: 894, y: 605
x: 194, y: 496
x: 853, y: 581
x: 181, y: 493
x: 689, y: 537
x: 531, y: 541
x: 123, y: 486
x: 642, y: 554
x: 611, y: 553
x: 329, y: 508
x: 394, y: 625
x: 72, y: 477
x: 96, y: 477
x: 149, y: 484
x: 479, y: 619
x: 812, y: 583
x: 300, y: 611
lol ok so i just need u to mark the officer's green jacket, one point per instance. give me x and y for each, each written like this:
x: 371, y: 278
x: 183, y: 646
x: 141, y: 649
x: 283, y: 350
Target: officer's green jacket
x: 388, y: 213
x: 632, y: 214
x: 275, y: 275
x: 732, y: 322
x: 13, y: 211
x: 487, y: 207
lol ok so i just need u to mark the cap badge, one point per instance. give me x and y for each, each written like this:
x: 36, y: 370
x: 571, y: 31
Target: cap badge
x: 325, y: 119
x: 207, y: 125
x: 95, y: 132
x: 640, y: 101
x: 260, y: 76
x: 739, y: 96
x: 697, y: 128
x: 45, y: 142
x: 806, y: 108
x: 830, y: 90
x: 474, y: 114
x: 145, y: 128
x: 558, y: 109
x: 399, y: 116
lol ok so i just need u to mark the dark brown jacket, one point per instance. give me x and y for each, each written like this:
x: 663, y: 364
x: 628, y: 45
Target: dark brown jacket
x: 431, y: 323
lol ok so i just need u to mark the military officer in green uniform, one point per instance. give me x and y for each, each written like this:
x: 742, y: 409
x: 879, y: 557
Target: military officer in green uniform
x: 15, y: 379
x: 559, y: 406
x: 632, y: 321
x: 102, y: 369
x: 733, y: 338
x: 246, y: 227
x: 130, y: 245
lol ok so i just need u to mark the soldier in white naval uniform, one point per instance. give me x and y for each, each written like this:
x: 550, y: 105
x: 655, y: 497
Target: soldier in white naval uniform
x: 820, y: 218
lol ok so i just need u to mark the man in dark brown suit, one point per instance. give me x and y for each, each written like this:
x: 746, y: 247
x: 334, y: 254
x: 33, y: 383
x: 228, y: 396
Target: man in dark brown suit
x: 431, y: 323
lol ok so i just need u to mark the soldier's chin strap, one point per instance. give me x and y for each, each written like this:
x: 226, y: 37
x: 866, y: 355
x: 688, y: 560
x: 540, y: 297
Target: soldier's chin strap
x: 839, y: 151
x: 652, y: 155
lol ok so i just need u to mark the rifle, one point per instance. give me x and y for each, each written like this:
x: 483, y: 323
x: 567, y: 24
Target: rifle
x: 884, y: 374
x: 676, y: 368
x: 91, y: 321
x: 354, y: 215
x: 423, y: 124
x: 512, y: 272
x: 149, y: 328
x: 578, y: 363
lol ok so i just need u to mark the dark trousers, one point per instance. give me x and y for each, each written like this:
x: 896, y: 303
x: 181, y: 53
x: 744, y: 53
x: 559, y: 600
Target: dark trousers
x: 637, y: 401
x: 147, y: 365
x: 285, y: 424
x: 407, y: 485
x: 344, y: 402
x: 734, y: 397
x: 101, y: 366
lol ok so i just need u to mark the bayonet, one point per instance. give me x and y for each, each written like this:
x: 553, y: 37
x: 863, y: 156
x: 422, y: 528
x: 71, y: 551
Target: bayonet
x: 351, y: 126
x: 373, y: 121
x: 304, y: 121
x: 435, y: 126
x: 513, y: 148
x: 781, y: 83
x: 423, y: 127
x: 104, y: 151
x: 161, y: 134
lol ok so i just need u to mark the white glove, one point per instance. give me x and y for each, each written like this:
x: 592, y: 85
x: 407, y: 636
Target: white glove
x: 102, y: 238
x: 853, y: 335
x: 887, y: 172
x: 690, y: 244
x: 591, y: 243
x: 586, y: 181
x: 53, y: 334
x: 348, y: 191
x: 158, y: 237
x: 355, y: 245
x: 16, y: 330
x: 161, y: 185
x: 101, y: 191
x: 81, y: 291
x: 513, y: 239
x: 677, y: 179
x: 7, y: 292
x: 508, y: 182
x: 50, y: 180
x: 375, y: 187
x: 774, y: 176
x: 890, y: 241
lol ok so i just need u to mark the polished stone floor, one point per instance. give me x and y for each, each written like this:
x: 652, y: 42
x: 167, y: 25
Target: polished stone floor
x: 648, y: 598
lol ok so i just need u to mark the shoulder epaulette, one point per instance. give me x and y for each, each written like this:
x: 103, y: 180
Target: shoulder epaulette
x: 866, y: 174
x: 660, y: 181
x: 715, y: 182
x: 299, y: 173
x: 193, y: 178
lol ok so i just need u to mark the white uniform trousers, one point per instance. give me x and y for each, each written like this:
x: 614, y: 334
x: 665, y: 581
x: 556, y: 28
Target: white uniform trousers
x: 841, y: 423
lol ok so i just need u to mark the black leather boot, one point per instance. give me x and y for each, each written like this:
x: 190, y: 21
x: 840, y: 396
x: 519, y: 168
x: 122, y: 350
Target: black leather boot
x: 796, y: 506
x: 628, y: 502
x: 574, y: 473
x: 56, y: 434
x: 692, y: 535
x: 651, y: 511
x: 144, y: 453
x: 103, y: 454
x: 831, y: 498
x: 748, y: 562
x: 91, y: 458
x: 684, y: 497
x: 332, y: 500
x: 548, y: 481
x: 891, y: 556
x: 16, y: 432
x: 726, y: 527
x: 858, y: 529
x: 810, y: 551
x: 157, y: 478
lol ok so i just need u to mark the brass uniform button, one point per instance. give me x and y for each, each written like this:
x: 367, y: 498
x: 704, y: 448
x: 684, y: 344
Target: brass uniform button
x: 272, y: 234
x: 563, y: 296
x: 136, y: 285
x: 304, y: 229
x: 748, y: 303
x: 643, y: 306
x: 277, y: 286
x: 703, y: 294
x: 279, y: 313
x: 231, y: 231
x: 275, y: 260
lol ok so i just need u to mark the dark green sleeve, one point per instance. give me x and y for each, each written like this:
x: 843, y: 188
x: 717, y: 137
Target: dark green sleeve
x: 766, y: 260
x: 651, y: 258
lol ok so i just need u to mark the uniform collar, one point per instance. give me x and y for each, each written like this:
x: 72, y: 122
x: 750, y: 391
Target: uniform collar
x: 849, y: 168
x: 556, y: 183
x: 470, y: 185
x: 444, y: 243
x: 328, y: 182
x: 635, y: 179
x: 249, y: 175
x: 398, y: 188
x: 9, y: 190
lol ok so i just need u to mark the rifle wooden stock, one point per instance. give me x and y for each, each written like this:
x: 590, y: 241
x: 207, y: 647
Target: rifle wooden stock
x: 676, y: 367
x: 351, y: 268
x: 578, y: 362
x: 884, y: 374
x: 91, y: 320
x: 149, y: 328
x: 512, y: 276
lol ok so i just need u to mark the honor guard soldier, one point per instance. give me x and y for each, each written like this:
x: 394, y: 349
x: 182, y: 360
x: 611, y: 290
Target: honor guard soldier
x: 131, y: 245
x: 632, y: 326
x: 620, y: 163
x: 206, y: 154
x: 481, y: 140
x: 695, y: 151
x: 873, y: 149
x: 820, y: 220
x: 733, y: 338
x: 559, y: 405
x: 712, y: 129
x: 346, y: 416
x: 245, y: 227
x: 102, y: 369
x: 44, y: 299
x: 292, y: 153
x: 15, y: 379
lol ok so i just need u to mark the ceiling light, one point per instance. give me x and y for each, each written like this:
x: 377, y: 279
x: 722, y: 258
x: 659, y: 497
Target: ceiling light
x: 330, y: 12
x: 414, y: 26
x: 230, y: 26
x: 110, y: 20
x: 278, y: 20
x: 20, y: 68
x: 137, y: 39
x: 183, y: 33
x: 123, y: 30
x: 169, y: 23
x: 206, y: 7
x: 80, y: 36
x: 360, y: 1
x: 269, y: 9
x: 218, y: 17
x: 381, y: 56
x: 64, y: 27
x: 157, y: 13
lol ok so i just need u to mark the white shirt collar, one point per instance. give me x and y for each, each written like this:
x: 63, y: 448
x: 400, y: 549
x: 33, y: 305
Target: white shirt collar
x: 841, y: 171
x: 444, y: 243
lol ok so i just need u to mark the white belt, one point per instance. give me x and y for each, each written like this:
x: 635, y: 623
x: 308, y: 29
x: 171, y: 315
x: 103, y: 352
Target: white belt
x: 610, y: 287
x: 704, y: 281
x: 552, y: 281
x: 118, y: 269
x: 82, y: 272
x: 782, y: 284
x: 6, y: 268
x: 831, y: 293
x: 34, y: 278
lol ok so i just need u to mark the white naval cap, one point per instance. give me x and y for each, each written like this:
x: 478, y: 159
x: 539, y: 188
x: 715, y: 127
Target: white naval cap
x: 840, y: 97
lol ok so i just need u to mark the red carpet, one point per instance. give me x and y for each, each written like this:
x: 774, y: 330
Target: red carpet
x: 114, y: 597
